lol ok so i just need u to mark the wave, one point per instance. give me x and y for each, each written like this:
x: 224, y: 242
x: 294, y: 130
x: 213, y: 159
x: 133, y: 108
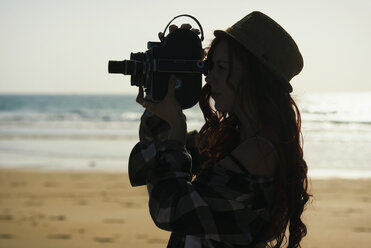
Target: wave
x: 334, y: 109
x: 337, y: 122
x: 56, y: 137
x: 134, y: 117
x: 75, y: 116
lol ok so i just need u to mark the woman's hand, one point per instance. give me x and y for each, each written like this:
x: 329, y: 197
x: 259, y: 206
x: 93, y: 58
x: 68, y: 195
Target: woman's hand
x: 175, y: 27
x: 169, y: 110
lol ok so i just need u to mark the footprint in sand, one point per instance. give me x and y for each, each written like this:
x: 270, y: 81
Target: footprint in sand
x: 129, y: 204
x: 6, y: 236
x: 59, y: 236
x: 33, y: 203
x: 104, y: 239
x: 77, y: 177
x: 114, y: 221
x: 362, y: 229
x: 141, y: 236
x: 6, y: 217
x: 157, y: 241
x: 353, y: 210
x: 57, y: 218
x: 82, y: 202
x: 18, y: 184
x: 50, y: 184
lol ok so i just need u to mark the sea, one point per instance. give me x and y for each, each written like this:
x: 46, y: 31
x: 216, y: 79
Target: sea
x: 97, y: 132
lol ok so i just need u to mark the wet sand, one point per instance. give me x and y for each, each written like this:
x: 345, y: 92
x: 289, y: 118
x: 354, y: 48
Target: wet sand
x: 81, y: 209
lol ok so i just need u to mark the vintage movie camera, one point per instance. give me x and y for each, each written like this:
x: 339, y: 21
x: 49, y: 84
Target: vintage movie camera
x: 179, y: 53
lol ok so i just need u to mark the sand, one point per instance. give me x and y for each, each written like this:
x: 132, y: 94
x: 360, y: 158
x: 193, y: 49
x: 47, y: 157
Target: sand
x: 81, y: 209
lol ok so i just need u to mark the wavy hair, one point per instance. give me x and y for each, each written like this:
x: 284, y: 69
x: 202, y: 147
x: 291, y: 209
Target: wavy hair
x: 274, y: 115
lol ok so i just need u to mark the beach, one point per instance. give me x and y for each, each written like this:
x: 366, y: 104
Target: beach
x: 64, y: 182
x: 101, y: 209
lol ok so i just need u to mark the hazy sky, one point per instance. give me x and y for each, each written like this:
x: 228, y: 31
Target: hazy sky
x: 49, y: 46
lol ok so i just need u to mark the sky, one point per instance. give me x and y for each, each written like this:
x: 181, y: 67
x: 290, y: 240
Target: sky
x: 63, y: 47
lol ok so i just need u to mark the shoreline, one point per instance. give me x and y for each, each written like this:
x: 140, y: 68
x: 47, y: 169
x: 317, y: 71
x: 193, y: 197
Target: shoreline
x: 95, y: 209
x: 91, y: 167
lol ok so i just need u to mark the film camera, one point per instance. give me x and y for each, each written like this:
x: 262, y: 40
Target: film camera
x: 179, y: 53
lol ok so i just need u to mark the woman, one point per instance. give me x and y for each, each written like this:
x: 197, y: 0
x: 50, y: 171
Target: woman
x: 241, y: 181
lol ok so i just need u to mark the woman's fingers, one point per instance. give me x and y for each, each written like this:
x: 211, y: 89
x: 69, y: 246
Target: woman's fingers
x: 195, y: 30
x: 145, y: 104
x: 161, y: 36
x: 186, y: 26
x: 168, y: 109
x: 173, y: 27
x: 140, y: 99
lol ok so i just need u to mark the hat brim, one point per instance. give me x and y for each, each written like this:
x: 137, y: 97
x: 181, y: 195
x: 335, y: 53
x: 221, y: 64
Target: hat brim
x: 286, y: 84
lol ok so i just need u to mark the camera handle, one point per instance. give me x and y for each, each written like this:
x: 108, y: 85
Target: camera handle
x: 202, y: 32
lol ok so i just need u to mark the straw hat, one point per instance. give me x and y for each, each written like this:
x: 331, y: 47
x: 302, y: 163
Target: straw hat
x: 270, y: 43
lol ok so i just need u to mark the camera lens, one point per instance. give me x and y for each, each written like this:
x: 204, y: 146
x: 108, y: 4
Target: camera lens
x: 133, y: 67
x: 115, y: 66
x: 126, y: 67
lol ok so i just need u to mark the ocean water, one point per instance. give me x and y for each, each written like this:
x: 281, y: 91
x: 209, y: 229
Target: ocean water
x: 97, y: 132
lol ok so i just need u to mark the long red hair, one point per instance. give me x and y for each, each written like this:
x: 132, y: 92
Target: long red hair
x: 274, y: 115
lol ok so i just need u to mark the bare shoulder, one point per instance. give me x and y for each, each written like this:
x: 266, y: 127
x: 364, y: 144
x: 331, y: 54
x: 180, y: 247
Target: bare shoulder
x: 257, y: 155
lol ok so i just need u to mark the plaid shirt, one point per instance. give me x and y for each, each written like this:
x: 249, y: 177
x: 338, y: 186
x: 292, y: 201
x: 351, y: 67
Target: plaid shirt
x: 218, y: 208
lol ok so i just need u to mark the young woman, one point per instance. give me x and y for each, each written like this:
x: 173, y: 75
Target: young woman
x: 241, y: 181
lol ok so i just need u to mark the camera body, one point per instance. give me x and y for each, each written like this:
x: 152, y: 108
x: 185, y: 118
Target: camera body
x: 179, y: 53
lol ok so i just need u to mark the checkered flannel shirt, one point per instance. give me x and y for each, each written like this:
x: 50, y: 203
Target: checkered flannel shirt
x: 218, y: 208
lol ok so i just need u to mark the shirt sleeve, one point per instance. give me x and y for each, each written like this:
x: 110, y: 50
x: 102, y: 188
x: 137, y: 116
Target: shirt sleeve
x: 153, y: 129
x: 219, y: 204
